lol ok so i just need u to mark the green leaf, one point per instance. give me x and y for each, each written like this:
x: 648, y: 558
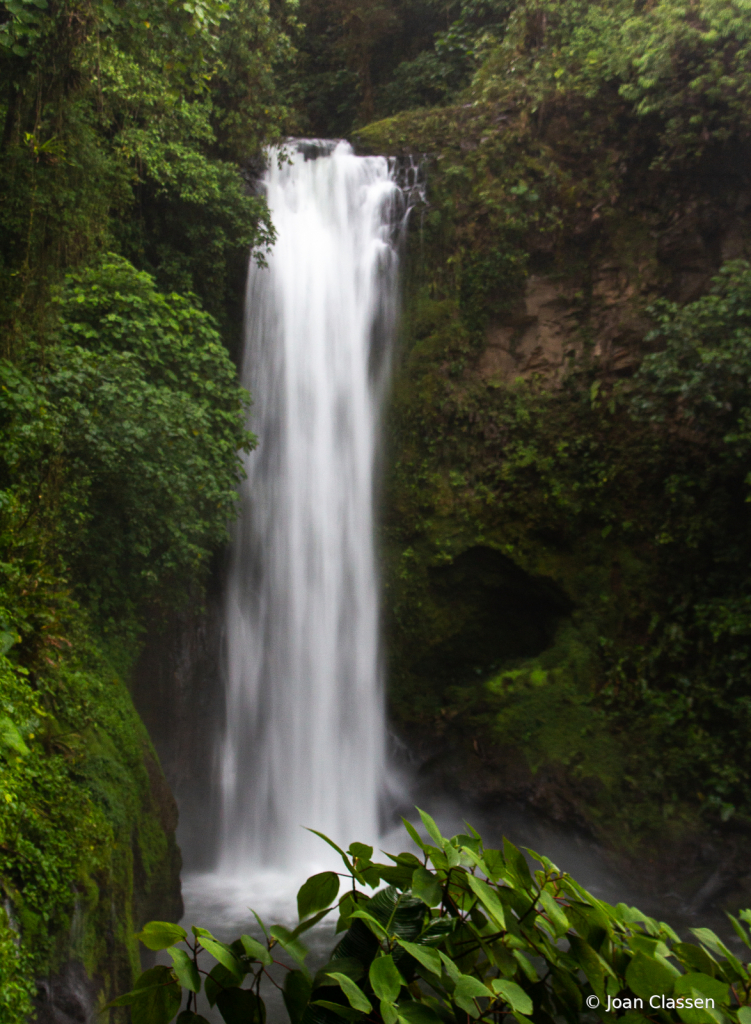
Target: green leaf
x: 297, y: 990
x: 590, y: 963
x: 489, y: 899
x: 218, y: 980
x: 708, y: 938
x: 739, y: 930
x: 452, y: 970
x: 256, y: 950
x: 516, y: 862
x: 744, y: 1015
x: 292, y: 945
x: 161, y: 998
x: 317, y: 893
x: 389, y: 1011
x: 361, y: 851
x: 414, y: 835
x: 385, y: 978
x: 357, y: 998
x: 556, y: 916
x: 514, y: 994
x: 10, y: 737
x: 375, y: 926
x: 348, y: 863
x: 432, y: 829
x: 188, y: 1017
x: 526, y: 966
x: 185, y: 969
x: 161, y: 934
x: 221, y: 952
x: 199, y: 932
x: 712, y: 988
x: 426, y: 887
x: 647, y: 977
x: 424, y: 955
x: 241, y: 1006
x: 467, y: 990
x: 417, y: 1013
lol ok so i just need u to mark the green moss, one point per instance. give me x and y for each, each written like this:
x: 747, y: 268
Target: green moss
x: 83, y: 840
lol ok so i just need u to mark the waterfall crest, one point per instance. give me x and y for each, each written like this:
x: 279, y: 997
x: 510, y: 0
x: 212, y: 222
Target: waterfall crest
x: 304, y: 738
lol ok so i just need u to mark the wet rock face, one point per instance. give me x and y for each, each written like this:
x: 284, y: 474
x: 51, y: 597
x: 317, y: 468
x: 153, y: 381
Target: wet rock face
x: 177, y: 690
x: 493, y: 612
x: 600, y: 310
x: 68, y: 997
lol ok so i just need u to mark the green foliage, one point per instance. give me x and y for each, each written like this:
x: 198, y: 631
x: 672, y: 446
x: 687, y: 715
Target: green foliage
x: 78, y: 804
x: 500, y: 939
x: 16, y: 986
x: 131, y: 437
x: 683, y: 66
x: 127, y: 124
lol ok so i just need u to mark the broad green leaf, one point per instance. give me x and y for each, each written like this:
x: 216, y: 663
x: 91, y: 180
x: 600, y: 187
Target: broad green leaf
x: 590, y: 963
x: 188, y: 1017
x: 241, y: 1006
x: 10, y: 737
x: 424, y: 955
x: 744, y: 1015
x: 389, y: 1012
x: 161, y: 999
x: 514, y: 994
x: 708, y: 938
x: 146, y: 981
x: 185, y: 969
x: 372, y: 923
x: 199, y: 932
x: 467, y: 990
x: 385, y: 978
x: 311, y: 922
x: 432, y: 829
x: 739, y: 930
x: 426, y: 887
x: 349, y: 965
x: 256, y: 950
x: 357, y: 998
x: 414, y: 834
x: 297, y: 990
x: 161, y: 934
x: 695, y: 958
x: 489, y: 899
x: 495, y: 864
x: 647, y: 977
x: 221, y: 952
x: 516, y: 862
x: 361, y: 851
x: 525, y: 965
x: 218, y: 980
x: 417, y: 1013
x: 317, y: 893
x: 712, y: 988
x: 451, y: 969
x: 556, y: 915
x: 292, y: 945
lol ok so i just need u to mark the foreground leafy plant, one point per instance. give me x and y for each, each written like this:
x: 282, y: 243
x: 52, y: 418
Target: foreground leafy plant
x: 465, y: 932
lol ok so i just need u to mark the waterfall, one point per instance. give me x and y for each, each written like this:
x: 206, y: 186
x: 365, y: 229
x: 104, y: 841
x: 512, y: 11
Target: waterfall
x: 303, y: 743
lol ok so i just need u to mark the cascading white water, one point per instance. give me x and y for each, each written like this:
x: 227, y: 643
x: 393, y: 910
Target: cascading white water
x: 304, y: 737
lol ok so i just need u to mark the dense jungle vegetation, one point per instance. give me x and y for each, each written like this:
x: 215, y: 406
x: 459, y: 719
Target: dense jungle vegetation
x: 567, y: 519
